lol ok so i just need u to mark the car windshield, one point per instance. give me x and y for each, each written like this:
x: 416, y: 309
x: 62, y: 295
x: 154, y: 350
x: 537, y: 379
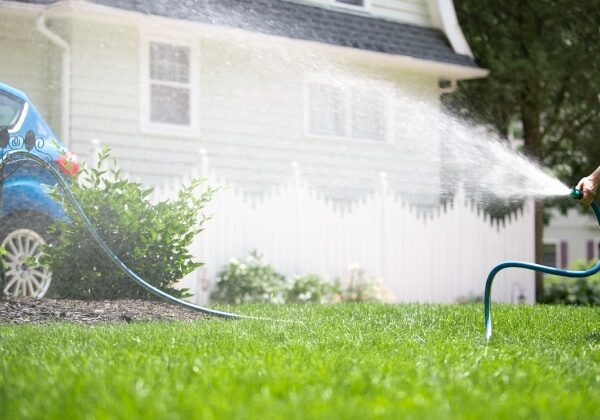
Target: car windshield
x: 10, y: 108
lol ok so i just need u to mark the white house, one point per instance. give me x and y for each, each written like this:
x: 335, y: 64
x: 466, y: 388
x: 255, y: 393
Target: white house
x: 571, y: 236
x: 297, y: 106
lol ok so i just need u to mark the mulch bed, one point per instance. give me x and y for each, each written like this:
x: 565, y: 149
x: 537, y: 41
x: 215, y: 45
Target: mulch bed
x: 38, y: 311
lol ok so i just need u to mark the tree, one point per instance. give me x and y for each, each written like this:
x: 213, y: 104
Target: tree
x: 544, y: 79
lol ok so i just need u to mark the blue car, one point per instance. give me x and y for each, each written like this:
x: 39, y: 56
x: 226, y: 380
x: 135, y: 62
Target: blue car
x: 26, y: 209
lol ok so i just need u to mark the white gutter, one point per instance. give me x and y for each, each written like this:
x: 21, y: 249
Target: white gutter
x: 65, y: 77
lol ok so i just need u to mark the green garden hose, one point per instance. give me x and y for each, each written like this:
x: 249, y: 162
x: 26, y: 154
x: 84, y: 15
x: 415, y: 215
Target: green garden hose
x: 576, y: 194
x: 18, y: 155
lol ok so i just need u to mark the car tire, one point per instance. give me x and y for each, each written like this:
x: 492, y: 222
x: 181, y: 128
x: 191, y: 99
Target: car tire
x: 22, y: 236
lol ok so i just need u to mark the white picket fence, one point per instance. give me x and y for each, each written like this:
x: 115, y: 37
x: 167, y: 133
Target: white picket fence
x: 443, y: 256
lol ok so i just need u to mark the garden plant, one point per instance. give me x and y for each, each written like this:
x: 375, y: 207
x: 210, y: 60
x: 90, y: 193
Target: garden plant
x: 583, y: 291
x: 254, y: 280
x: 151, y: 238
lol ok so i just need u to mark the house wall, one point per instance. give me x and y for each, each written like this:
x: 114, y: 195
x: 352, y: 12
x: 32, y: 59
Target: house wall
x: 575, y: 230
x: 105, y: 88
x: 31, y: 63
x: 251, y: 111
x: 415, y: 12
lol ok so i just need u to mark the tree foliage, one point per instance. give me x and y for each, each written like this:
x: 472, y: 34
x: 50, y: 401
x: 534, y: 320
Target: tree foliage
x: 544, y: 77
x: 544, y: 80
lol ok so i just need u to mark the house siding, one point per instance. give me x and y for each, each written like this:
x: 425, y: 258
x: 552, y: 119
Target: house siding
x: 407, y: 11
x: 104, y: 86
x: 576, y: 230
x: 251, y: 114
x: 251, y: 107
x: 31, y: 63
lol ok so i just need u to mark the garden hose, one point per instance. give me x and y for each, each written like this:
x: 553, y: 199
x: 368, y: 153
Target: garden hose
x: 577, y: 195
x: 19, y: 154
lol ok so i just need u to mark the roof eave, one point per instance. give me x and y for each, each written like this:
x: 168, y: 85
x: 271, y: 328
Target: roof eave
x: 435, y: 68
x: 439, y: 69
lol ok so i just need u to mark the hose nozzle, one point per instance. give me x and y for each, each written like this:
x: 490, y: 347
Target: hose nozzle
x: 576, y: 194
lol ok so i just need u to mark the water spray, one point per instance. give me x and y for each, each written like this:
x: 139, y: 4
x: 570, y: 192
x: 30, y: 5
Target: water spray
x: 19, y: 155
x: 575, y: 194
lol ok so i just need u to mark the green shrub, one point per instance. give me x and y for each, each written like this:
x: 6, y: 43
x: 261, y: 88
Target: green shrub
x: 256, y: 281
x: 308, y: 289
x: 252, y: 281
x: 569, y: 291
x: 151, y: 239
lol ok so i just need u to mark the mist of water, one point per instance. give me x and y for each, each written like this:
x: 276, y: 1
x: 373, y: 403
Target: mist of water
x: 476, y: 157
x: 426, y: 154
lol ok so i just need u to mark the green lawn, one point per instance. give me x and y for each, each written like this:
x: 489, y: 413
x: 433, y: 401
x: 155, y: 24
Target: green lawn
x: 342, y: 361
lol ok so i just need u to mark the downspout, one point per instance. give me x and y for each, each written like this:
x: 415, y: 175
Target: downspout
x: 65, y: 77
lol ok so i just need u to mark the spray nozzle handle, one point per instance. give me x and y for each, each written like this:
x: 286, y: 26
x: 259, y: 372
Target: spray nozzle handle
x: 576, y: 194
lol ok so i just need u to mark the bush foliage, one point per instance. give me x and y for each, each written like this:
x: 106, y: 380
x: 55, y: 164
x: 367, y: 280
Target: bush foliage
x: 255, y: 281
x: 569, y: 291
x: 252, y: 281
x: 308, y: 289
x: 151, y: 239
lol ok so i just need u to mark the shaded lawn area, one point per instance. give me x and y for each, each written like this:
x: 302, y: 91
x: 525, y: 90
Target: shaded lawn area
x: 343, y: 361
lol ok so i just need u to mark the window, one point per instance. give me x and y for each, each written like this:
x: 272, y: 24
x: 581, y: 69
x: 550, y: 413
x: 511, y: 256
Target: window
x: 593, y: 249
x: 10, y: 109
x: 367, y: 115
x: 337, y: 111
x: 169, y: 84
x: 326, y: 110
x: 549, y: 254
x: 168, y: 91
x: 555, y: 252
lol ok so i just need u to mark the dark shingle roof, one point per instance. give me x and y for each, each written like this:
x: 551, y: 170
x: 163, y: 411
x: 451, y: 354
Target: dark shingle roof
x: 301, y: 21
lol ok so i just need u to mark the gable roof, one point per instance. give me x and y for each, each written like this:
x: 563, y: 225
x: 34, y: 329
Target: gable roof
x: 305, y: 22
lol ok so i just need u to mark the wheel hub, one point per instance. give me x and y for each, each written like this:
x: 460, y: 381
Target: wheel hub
x: 22, y: 278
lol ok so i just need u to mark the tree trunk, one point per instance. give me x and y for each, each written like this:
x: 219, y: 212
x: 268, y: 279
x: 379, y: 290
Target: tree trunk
x: 532, y: 134
x: 539, y: 250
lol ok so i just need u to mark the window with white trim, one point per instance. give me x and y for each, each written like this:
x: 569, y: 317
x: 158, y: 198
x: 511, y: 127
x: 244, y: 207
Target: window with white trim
x: 169, y: 90
x: 367, y: 115
x: 326, y: 110
x: 347, y: 112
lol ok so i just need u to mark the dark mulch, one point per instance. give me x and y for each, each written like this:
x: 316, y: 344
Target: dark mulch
x: 37, y: 311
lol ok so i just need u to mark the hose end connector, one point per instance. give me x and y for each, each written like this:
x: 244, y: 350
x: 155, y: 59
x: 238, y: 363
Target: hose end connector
x: 576, y: 194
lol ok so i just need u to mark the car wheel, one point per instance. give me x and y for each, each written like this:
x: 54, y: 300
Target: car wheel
x: 22, y: 237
